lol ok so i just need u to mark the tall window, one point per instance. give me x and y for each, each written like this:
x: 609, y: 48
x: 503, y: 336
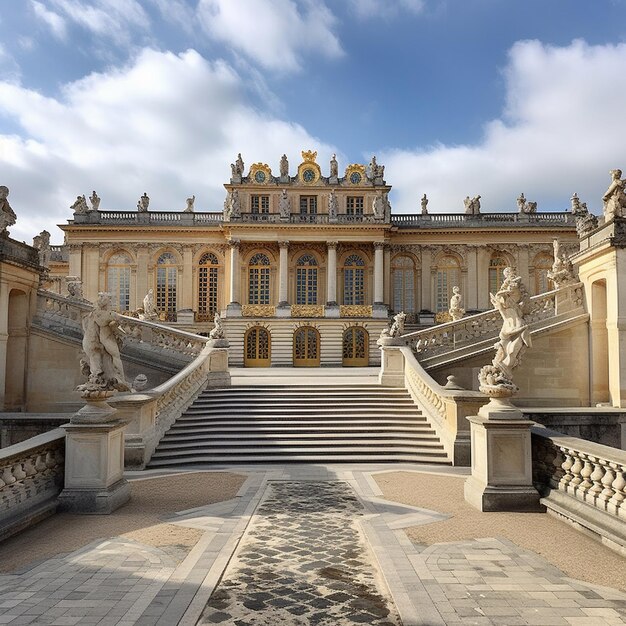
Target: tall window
x: 118, y: 281
x: 404, y: 284
x: 448, y: 275
x: 308, y: 205
x: 167, y: 277
x: 354, y: 280
x: 543, y: 263
x: 259, y: 279
x: 306, y: 280
x: 354, y: 205
x: 207, y: 286
x: 496, y: 276
x: 260, y: 204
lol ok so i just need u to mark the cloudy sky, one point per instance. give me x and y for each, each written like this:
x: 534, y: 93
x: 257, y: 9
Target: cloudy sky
x: 455, y: 97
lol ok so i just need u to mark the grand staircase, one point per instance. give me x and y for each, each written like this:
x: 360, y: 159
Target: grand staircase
x: 357, y: 423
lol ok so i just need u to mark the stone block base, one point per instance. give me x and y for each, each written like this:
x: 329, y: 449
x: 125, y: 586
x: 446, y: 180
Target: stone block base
x: 233, y: 310
x: 95, y: 501
x: 218, y: 379
x: 489, y: 498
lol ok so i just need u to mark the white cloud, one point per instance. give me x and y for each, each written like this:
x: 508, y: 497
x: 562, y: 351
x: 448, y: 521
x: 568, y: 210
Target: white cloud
x: 560, y: 132
x: 273, y: 33
x: 114, y: 19
x: 53, y: 20
x: 385, y: 8
x: 166, y: 124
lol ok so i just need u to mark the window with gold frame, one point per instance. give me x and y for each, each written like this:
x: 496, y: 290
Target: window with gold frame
x: 166, y: 286
x: 404, y: 283
x: 208, y: 267
x: 259, y: 279
x: 354, y: 280
x: 306, y: 279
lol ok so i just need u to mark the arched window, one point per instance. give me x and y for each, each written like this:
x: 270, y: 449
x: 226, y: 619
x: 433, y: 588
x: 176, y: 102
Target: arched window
x: 354, y: 280
x: 118, y: 281
x: 496, y: 267
x: 404, y: 284
x: 306, y: 279
x: 207, y: 286
x: 259, y: 279
x: 167, y: 277
x: 542, y: 264
x: 448, y: 275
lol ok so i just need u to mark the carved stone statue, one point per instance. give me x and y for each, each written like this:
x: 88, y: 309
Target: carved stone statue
x: 379, y: 206
x: 239, y: 165
x: 103, y: 364
x: 283, y: 205
x: 334, y: 167
x: 284, y: 166
x: 143, y: 203
x: 74, y: 288
x: 585, y: 221
x: 562, y: 271
x: 531, y: 207
x: 149, y: 308
x: 467, y: 203
x: 217, y: 332
x: 575, y: 200
x: 333, y: 205
x: 80, y: 206
x: 521, y: 203
x: 189, y: 207
x: 614, y: 198
x: 42, y: 243
x: 7, y: 216
x: 456, y: 302
x: 374, y: 170
x: 511, y: 301
x: 95, y: 201
x: 424, y: 203
x: 232, y: 204
x: 475, y: 205
x: 395, y: 331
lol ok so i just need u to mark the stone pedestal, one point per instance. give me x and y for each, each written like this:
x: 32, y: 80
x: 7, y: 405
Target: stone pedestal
x: 94, y: 468
x: 283, y: 310
x: 233, y: 309
x: 501, y: 477
x: 219, y: 374
x: 380, y: 311
x: 332, y: 310
x: 185, y: 316
x: 391, y: 363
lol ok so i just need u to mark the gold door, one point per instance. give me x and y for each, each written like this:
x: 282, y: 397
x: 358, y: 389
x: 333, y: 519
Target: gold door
x: 355, y: 347
x: 306, y: 347
x: 257, y: 346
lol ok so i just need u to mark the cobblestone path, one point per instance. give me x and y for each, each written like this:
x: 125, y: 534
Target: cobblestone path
x: 303, y: 561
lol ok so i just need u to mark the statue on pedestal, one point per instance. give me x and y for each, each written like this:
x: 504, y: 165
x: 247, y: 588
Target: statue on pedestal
x: 284, y: 166
x: 143, y: 203
x: 394, y: 332
x: 95, y: 201
x: 217, y: 332
x: 614, y: 198
x: 562, y: 271
x: 334, y: 167
x: 189, y: 207
x: 374, y: 170
x: 102, y: 363
x: 149, y: 308
x: 511, y: 301
x: 239, y: 165
x: 42, y: 243
x: 7, y: 216
x: 424, y: 203
x: 456, y: 302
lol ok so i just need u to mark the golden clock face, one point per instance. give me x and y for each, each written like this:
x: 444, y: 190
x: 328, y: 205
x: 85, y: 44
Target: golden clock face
x: 308, y: 175
x: 355, y: 178
x: 259, y: 176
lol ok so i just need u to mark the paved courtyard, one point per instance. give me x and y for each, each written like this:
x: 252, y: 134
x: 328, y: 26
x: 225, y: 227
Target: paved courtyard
x: 299, y: 545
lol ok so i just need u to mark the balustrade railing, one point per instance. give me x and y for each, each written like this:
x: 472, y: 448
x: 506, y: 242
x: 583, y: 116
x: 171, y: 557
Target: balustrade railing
x: 436, y: 220
x: 31, y: 477
x: 468, y: 330
x: 569, y: 471
x: 62, y: 310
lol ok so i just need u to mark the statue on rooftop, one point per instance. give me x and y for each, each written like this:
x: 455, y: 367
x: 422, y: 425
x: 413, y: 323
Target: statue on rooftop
x: 239, y: 165
x: 143, y: 203
x: 334, y: 167
x: 472, y: 205
x: 7, y: 215
x: 95, y: 201
x: 521, y: 203
x: 42, y: 243
x: 614, y: 198
x: 512, y: 302
x: 424, y: 202
x: 374, y: 170
x: 284, y: 166
x: 102, y: 363
x: 456, y: 302
x: 575, y: 200
x: 80, y: 205
x: 189, y: 207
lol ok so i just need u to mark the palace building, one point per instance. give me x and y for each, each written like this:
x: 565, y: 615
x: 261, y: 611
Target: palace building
x: 304, y: 266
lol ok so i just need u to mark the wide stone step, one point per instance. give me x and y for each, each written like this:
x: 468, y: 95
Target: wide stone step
x: 188, y: 430
x: 317, y: 391
x: 309, y: 410
x: 301, y: 402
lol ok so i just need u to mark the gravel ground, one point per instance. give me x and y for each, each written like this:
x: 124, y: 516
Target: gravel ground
x: 140, y: 519
x: 570, y: 550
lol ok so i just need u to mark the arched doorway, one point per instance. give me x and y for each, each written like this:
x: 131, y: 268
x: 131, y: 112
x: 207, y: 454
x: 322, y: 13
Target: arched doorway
x: 14, y: 399
x: 257, y: 347
x: 355, y: 347
x: 306, y: 347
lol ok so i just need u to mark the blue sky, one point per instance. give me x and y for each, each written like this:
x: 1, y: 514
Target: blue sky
x: 456, y: 98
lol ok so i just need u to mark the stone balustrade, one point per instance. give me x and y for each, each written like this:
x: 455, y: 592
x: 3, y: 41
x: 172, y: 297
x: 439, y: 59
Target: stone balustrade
x: 582, y: 482
x: 31, y: 477
x: 451, y: 220
x: 11, y: 250
x: 473, y: 329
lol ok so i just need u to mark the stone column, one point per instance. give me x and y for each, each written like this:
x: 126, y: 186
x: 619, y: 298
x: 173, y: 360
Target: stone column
x: 142, y: 287
x: 426, y: 287
x: 379, y: 309
x: 471, y: 293
x: 234, y: 306
x: 283, y: 280
x: 332, y: 309
x: 4, y: 336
